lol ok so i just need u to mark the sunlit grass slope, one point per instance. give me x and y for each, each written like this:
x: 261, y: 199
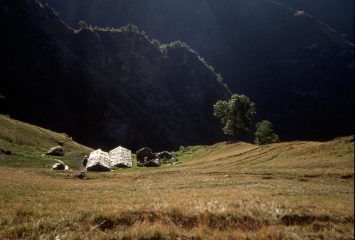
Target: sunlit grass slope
x: 27, y: 144
x: 322, y: 158
x: 290, y: 190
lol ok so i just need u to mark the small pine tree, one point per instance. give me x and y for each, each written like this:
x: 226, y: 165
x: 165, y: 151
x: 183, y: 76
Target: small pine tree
x: 265, y: 134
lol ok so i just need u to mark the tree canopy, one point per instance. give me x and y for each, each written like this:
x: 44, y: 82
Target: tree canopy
x: 235, y: 114
x: 265, y: 134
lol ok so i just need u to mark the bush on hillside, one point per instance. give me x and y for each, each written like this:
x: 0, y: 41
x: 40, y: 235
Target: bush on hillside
x: 265, y: 134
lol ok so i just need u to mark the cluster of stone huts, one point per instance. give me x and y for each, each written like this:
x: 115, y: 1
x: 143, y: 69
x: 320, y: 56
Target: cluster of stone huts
x: 120, y: 157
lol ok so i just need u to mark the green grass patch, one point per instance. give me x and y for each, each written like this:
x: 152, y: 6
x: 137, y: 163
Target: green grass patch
x: 28, y: 143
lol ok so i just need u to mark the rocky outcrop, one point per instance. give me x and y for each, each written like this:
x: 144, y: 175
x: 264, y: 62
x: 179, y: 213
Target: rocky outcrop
x: 56, y: 151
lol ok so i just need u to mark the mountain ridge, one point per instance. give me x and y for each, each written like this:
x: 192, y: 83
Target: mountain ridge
x: 286, y: 60
x: 106, y: 87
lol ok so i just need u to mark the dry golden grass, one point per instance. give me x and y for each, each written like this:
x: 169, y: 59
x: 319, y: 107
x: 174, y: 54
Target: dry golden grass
x: 292, y: 190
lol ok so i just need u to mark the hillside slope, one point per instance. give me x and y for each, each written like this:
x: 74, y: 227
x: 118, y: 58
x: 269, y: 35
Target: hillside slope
x: 290, y: 190
x: 27, y: 143
x: 295, y: 158
x: 104, y: 87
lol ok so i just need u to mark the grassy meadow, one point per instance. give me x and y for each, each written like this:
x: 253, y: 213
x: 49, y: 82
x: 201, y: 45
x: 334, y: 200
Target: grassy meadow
x: 288, y: 190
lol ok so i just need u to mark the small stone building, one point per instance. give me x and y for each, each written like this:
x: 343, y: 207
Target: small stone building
x: 120, y: 157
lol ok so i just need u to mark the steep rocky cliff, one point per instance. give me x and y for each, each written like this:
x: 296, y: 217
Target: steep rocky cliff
x: 298, y: 70
x: 104, y: 87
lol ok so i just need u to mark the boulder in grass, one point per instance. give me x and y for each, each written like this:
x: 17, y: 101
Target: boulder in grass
x: 98, y: 161
x: 61, y: 166
x: 120, y: 157
x: 58, y: 166
x: 81, y: 175
x: 144, y: 155
x: 56, y: 151
x: 5, y: 152
x: 164, y: 155
x: 152, y: 163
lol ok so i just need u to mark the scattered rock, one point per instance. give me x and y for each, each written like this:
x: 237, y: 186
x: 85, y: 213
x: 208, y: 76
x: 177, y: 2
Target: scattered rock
x: 61, y: 166
x: 58, y: 166
x: 98, y: 161
x: 81, y: 175
x: 152, y: 163
x: 56, y: 151
x: 144, y: 156
x: 5, y: 152
x: 165, y: 155
x: 120, y: 157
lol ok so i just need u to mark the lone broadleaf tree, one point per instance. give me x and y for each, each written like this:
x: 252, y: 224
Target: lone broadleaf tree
x: 235, y: 114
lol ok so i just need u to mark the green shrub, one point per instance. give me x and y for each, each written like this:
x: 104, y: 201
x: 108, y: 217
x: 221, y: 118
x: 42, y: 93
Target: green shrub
x: 265, y: 134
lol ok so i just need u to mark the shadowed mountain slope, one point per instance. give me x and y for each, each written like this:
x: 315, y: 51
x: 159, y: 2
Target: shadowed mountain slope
x: 297, y: 69
x: 104, y: 87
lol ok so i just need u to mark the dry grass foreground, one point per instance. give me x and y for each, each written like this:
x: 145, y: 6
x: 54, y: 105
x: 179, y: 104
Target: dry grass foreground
x: 292, y: 190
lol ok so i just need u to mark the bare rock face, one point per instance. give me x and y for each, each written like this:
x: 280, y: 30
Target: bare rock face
x: 56, y: 151
x: 120, y: 157
x: 98, y: 161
